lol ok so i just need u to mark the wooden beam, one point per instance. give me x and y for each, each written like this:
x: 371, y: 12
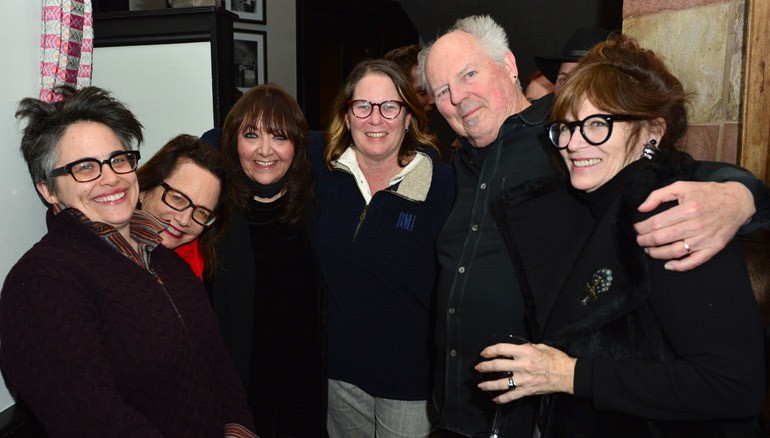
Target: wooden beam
x: 754, y: 153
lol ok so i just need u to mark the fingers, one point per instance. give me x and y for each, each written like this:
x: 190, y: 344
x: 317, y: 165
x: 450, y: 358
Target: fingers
x: 675, y: 250
x: 508, y: 392
x: 666, y: 194
x: 677, y: 223
x: 706, y: 219
x: 692, y: 261
x: 496, y: 350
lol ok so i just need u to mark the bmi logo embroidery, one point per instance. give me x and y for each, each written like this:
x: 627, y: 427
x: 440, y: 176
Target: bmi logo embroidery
x: 405, y: 221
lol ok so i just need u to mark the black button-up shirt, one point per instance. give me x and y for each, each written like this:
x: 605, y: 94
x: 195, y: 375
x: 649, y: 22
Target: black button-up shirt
x: 478, y: 294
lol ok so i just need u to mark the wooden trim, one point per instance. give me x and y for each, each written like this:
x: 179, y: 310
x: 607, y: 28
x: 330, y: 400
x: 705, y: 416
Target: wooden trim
x: 754, y: 153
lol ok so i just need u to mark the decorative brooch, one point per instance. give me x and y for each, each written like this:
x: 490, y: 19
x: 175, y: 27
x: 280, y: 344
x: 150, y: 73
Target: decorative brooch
x: 599, y: 284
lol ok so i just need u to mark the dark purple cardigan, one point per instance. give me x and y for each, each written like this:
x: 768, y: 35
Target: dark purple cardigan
x: 96, y: 346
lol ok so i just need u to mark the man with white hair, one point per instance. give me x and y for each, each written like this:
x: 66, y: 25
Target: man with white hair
x: 473, y: 77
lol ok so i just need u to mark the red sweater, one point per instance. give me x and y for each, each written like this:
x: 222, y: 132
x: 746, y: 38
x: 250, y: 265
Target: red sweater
x: 191, y: 253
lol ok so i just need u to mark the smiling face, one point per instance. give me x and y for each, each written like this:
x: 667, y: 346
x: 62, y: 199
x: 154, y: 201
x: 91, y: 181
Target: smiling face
x: 474, y: 93
x: 590, y: 167
x: 265, y: 158
x: 375, y: 137
x: 111, y: 198
x: 200, y: 185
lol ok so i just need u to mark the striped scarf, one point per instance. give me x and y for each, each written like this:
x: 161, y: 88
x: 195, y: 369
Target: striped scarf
x: 144, y: 228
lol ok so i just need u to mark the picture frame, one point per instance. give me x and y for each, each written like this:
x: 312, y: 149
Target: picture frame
x: 250, y: 58
x: 247, y: 10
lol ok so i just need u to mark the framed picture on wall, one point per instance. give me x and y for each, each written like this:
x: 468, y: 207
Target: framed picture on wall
x: 248, y: 10
x: 250, y: 55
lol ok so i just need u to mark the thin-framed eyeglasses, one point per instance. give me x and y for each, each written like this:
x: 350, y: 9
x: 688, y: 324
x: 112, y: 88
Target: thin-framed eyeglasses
x: 89, y: 169
x: 181, y: 202
x: 595, y: 129
x: 389, y: 109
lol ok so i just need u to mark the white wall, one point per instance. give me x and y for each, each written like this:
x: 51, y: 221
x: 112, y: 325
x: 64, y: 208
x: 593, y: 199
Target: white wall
x: 166, y: 86
x: 23, y: 216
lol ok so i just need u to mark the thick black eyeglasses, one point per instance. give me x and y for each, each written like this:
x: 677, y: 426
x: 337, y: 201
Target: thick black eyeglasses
x: 89, y: 169
x: 595, y: 129
x: 181, y: 202
x: 390, y: 109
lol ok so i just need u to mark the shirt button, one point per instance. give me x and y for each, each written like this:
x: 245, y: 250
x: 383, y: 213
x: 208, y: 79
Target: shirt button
x: 461, y: 270
x: 483, y: 186
x: 453, y: 353
x: 475, y: 227
x: 451, y: 310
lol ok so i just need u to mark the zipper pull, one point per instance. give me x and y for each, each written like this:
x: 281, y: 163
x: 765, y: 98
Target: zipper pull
x: 157, y: 278
x: 360, y: 221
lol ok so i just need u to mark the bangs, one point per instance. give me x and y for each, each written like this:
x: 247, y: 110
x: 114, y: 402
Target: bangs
x: 275, y: 114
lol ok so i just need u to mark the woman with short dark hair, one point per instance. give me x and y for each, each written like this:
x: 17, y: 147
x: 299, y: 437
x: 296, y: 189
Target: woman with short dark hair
x: 104, y: 331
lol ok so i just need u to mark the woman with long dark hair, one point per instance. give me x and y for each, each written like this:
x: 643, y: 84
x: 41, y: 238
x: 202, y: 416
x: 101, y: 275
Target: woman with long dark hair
x: 265, y: 287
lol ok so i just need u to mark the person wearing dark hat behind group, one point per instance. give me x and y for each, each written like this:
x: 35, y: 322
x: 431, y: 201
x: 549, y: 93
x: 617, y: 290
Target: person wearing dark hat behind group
x: 558, y: 68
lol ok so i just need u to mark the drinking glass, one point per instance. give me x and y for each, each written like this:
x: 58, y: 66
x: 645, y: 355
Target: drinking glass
x: 501, y: 339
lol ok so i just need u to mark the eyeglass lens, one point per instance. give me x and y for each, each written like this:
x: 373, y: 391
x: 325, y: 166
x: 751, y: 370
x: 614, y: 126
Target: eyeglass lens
x: 90, y: 169
x: 180, y: 202
x: 595, y: 129
x: 390, y: 109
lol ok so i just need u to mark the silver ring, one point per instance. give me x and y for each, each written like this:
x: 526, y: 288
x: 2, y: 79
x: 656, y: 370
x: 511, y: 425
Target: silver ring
x: 511, y: 383
x: 687, y: 247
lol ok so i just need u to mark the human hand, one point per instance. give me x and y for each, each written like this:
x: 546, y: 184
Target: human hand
x: 706, y: 219
x: 536, y: 368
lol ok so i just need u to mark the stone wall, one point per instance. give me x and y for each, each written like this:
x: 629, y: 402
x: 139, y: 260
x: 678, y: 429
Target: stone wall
x: 701, y: 41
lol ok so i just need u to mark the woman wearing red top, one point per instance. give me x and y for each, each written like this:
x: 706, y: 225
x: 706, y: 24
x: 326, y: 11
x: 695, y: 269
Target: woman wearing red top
x: 183, y: 184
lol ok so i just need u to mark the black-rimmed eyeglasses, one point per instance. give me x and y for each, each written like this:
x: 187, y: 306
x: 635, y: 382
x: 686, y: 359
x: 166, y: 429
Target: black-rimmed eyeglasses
x: 595, y: 129
x: 390, y: 109
x: 181, y: 202
x: 89, y: 169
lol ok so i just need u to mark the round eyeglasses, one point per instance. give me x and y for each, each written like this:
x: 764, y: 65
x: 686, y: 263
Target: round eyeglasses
x: 181, y: 202
x: 89, y: 169
x: 595, y: 129
x: 390, y: 109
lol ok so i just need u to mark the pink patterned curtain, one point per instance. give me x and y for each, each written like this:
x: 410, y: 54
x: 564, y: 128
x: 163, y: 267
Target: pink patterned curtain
x: 66, y: 45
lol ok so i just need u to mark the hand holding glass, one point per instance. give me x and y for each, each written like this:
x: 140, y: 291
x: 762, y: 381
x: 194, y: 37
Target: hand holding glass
x: 498, y: 375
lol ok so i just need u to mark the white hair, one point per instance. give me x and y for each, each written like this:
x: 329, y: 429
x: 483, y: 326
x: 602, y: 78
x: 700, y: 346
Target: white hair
x: 490, y: 35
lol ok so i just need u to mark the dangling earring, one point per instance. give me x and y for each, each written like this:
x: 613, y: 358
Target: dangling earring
x: 650, y: 149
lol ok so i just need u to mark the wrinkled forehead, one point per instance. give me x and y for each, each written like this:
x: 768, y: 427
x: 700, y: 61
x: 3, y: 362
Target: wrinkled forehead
x: 450, y: 53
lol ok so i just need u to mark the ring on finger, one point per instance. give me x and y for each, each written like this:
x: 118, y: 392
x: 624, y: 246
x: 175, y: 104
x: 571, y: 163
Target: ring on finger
x: 687, y: 247
x: 511, y: 382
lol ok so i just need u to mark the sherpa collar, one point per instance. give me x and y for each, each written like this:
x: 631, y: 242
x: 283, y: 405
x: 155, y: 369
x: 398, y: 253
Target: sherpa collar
x: 412, y: 183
